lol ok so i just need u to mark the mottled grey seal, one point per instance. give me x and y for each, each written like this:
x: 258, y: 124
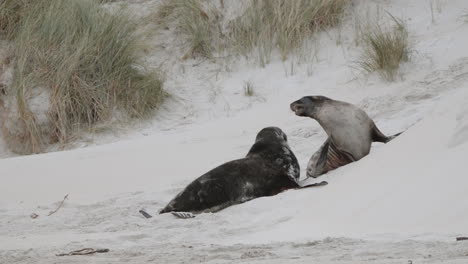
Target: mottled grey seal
x: 269, y: 168
x: 350, y: 132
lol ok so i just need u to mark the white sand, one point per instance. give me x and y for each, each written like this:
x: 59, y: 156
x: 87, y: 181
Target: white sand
x: 407, y: 200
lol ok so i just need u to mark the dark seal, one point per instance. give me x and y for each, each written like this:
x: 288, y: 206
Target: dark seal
x: 269, y: 168
x: 350, y: 132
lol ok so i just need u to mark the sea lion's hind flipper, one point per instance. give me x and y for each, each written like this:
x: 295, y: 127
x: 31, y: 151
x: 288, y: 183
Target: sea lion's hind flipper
x: 378, y: 136
x: 323, y: 183
x: 394, y: 136
x: 183, y: 215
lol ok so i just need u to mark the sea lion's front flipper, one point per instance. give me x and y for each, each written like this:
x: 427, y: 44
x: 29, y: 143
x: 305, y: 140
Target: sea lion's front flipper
x: 322, y: 183
x: 337, y: 157
x: 327, y: 158
x: 318, y: 161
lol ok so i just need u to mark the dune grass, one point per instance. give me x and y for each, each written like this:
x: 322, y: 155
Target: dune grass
x: 87, y: 60
x: 385, y: 49
x: 11, y: 12
x: 282, y: 24
x: 196, y: 21
x: 264, y: 26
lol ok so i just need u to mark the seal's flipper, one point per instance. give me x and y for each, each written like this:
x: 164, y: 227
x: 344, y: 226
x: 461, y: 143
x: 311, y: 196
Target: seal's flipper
x: 323, y: 183
x: 183, y: 215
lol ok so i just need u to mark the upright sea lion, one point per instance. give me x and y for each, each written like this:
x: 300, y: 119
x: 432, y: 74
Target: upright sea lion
x: 350, y: 132
x: 269, y: 168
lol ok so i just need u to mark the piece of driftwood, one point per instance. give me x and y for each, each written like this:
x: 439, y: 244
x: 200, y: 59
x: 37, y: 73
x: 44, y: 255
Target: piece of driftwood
x: 34, y: 216
x: 60, y: 205
x: 462, y: 238
x: 145, y: 214
x: 84, y: 251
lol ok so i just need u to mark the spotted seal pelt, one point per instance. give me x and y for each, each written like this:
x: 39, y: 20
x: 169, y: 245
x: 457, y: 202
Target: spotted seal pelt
x: 350, y: 132
x: 269, y: 168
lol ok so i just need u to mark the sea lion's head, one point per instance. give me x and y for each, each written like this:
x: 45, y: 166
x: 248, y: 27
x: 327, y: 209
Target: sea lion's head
x: 308, y: 105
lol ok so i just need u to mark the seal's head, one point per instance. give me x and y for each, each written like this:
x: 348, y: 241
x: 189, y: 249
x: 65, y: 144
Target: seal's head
x: 271, y: 134
x: 308, y: 105
x: 271, y: 144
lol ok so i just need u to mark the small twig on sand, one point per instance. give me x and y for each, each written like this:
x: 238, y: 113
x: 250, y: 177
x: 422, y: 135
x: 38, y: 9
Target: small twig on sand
x: 60, y: 205
x: 84, y: 251
x: 34, y: 216
x: 462, y: 238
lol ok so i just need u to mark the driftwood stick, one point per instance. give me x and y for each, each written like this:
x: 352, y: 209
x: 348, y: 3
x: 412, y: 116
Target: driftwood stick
x: 60, y: 206
x: 462, y: 238
x: 145, y: 214
x: 84, y: 251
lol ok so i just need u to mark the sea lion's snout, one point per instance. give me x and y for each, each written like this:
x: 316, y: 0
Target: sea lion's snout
x: 308, y: 105
x: 298, y: 108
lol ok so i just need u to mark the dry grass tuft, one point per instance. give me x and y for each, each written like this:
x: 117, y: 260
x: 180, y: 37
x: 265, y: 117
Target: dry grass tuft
x: 385, y: 49
x: 197, y: 21
x: 282, y: 24
x: 11, y: 12
x: 248, y: 88
x: 264, y: 26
